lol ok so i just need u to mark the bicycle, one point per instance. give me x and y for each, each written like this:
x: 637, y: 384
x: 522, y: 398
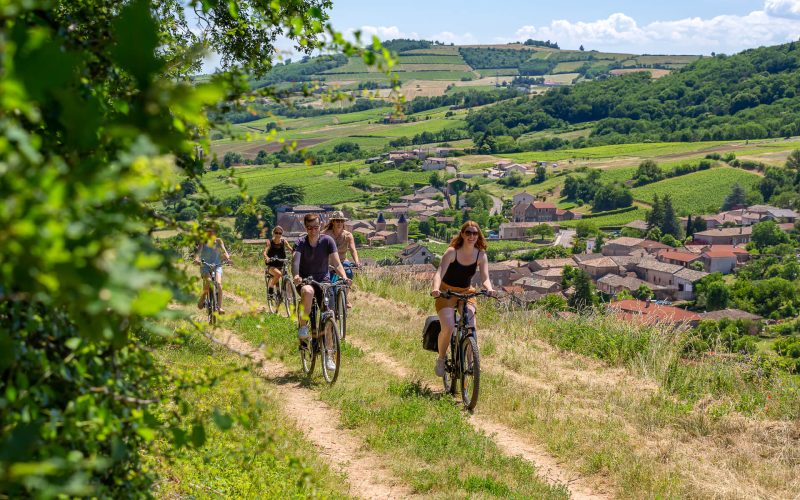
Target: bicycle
x: 285, y: 293
x: 340, y: 300
x: 324, y: 335
x: 463, y: 361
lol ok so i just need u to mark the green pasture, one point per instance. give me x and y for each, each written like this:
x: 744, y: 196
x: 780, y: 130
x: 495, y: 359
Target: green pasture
x: 320, y: 181
x: 698, y: 192
x: 636, y: 150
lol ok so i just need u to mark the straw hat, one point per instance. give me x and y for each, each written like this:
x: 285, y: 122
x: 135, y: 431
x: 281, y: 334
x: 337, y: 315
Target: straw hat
x: 337, y: 215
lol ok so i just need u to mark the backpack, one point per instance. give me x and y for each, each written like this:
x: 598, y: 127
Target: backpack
x: 430, y: 334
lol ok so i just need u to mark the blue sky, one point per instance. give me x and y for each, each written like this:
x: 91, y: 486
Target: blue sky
x: 675, y: 27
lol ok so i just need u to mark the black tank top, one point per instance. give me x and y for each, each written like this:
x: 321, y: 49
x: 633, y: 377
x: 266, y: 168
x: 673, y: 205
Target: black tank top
x: 459, y: 275
x: 278, y: 251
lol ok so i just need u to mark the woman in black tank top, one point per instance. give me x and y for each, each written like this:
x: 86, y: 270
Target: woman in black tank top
x: 465, y: 255
x: 275, y: 248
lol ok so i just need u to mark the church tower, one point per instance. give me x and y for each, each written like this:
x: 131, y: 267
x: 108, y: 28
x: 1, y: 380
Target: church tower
x: 380, y: 224
x: 402, y: 229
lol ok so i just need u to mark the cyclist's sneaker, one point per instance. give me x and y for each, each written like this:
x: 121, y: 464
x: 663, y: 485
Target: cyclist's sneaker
x: 329, y: 364
x: 201, y: 303
x: 302, y: 333
x: 439, y: 367
x: 221, y: 310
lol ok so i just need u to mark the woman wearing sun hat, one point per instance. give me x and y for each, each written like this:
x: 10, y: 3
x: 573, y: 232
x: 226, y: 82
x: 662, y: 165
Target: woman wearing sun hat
x: 344, y: 242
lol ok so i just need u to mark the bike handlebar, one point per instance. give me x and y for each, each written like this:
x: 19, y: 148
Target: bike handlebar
x: 449, y: 293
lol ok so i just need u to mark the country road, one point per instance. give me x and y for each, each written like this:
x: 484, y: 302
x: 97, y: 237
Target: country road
x: 497, y: 206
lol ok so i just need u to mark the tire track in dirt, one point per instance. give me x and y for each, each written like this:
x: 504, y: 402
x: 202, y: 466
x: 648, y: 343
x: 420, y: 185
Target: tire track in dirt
x: 508, y: 440
x: 367, y: 474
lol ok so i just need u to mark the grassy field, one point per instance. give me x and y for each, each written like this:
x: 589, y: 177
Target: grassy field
x: 637, y: 150
x: 431, y: 59
x: 611, y: 221
x: 699, y: 192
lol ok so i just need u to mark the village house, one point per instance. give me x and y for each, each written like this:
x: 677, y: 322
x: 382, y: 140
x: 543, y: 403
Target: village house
x: 539, y: 264
x: 754, y: 322
x: 389, y: 233
x: 518, y: 230
x: 499, y: 275
x: 623, y: 245
x: 538, y: 285
x: 434, y: 163
x: 677, y: 257
x: 541, y: 211
x: 650, y: 313
x: 519, y: 273
x: 638, y: 225
x: 724, y: 236
x: 685, y: 281
x: 658, y: 273
x: 551, y: 274
x: 599, y: 267
x: 414, y: 254
x: 522, y: 197
x: 719, y: 260
x: 612, y: 284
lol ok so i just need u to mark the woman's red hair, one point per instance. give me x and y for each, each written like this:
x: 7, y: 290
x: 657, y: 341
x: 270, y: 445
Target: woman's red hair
x: 458, y: 241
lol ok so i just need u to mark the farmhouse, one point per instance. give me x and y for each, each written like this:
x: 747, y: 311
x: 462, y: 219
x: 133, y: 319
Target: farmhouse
x: 541, y: 211
x: 612, y: 284
x: 677, y: 257
x: 414, y: 254
x: 623, y: 245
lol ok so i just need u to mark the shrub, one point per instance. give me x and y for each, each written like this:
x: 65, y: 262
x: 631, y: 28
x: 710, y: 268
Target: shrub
x: 188, y: 213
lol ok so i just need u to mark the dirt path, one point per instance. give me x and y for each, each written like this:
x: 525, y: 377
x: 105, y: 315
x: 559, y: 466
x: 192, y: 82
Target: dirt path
x: 508, y: 440
x: 367, y: 474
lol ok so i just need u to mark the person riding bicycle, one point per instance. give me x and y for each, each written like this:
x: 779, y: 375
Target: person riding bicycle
x: 312, y: 252
x: 466, y: 253
x: 344, y: 242
x: 211, y: 256
x: 275, y: 249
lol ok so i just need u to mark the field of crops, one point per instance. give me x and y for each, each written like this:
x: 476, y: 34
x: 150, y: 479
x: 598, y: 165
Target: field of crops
x: 498, y: 72
x: 430, y: 59
x: 436, y: 50
x: 354, y: 65
x: 404, y: 76
x: 611, y: 221
x: 409, y: 68
x: 699, y: 192
x: 568, y: 67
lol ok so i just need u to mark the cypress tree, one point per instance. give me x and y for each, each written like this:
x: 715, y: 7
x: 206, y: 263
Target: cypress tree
x: 671, y: 224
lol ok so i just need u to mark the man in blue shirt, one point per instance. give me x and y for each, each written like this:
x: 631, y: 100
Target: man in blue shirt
x: 312, y: 253
x: 210, y: 252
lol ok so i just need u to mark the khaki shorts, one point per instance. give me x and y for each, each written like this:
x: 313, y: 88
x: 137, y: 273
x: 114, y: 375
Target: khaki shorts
x: 441, y: 303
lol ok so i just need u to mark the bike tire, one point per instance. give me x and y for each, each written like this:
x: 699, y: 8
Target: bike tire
x: 211, y: 304
x: 273, y: 302
x: 341, y: 312
x: 449, y: 379
x: 308, y: 357
x: 470, y: 371
x: 289, y: 298
x: 330, y: 349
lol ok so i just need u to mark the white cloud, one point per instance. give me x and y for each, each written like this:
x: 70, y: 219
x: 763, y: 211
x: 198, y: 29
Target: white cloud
x: 450, y: 37
x: 725, y: 33
x: 783, y: 8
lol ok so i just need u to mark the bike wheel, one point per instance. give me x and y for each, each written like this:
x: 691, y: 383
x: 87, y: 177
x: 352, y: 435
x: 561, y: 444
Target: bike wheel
x: 470, y: 371
x: 331, y: 354
x: 308, y: 357
x: 211, y: 305
x: 289, y: 298
x: 273, y: 300
x: 341, y: 312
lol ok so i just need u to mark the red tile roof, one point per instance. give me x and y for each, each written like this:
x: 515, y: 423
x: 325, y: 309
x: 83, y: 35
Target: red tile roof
x: 677, y: 255
x: 652, y: 313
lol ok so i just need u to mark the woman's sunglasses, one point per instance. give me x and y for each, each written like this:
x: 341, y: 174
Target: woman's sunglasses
x: 471, y: 233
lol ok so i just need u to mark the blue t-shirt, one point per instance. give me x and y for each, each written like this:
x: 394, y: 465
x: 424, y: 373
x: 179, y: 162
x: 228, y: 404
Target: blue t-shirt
x: 314, y: 260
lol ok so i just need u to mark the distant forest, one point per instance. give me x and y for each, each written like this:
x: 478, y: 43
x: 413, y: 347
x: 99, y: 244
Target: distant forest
x: 749, y: 95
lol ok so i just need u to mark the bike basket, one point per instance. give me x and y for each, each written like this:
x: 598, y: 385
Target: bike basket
x: 430, y: 334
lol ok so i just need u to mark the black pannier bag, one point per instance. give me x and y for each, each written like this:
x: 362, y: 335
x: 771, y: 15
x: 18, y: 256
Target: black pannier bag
x: 430, y: 334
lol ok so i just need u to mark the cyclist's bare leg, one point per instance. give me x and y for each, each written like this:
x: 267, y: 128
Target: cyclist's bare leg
x: 472, y: 318
x: 218, y: 286
x: 276, y: 276
x: 448, y: 325
x: 306, y: 296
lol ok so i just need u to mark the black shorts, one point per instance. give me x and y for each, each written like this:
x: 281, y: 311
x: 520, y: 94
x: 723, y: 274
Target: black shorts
x: 317, y: 293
